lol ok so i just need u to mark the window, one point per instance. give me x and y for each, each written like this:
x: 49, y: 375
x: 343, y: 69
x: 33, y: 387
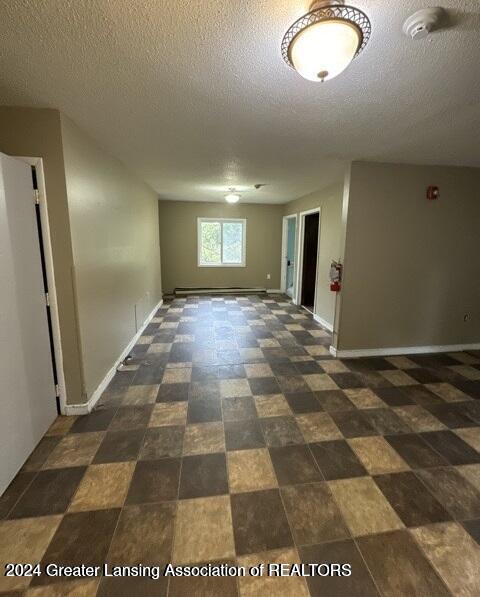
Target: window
x: 221, y: 242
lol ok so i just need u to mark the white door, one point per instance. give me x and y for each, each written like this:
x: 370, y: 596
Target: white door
x: 27, y: 389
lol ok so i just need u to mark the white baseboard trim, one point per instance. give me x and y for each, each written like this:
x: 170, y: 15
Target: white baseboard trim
x: 275, y: 291
x: 380, y: 352
x: 323, y: 322
x: 85, y: 408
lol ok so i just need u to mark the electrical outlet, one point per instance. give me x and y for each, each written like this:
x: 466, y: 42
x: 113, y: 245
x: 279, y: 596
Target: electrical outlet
x: 466, y: 317
x: 268, y: 276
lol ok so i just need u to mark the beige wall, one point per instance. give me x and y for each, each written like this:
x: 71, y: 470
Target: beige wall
x: 412, y: 266
x: 178, y: 238
x: 330, y: 202
x: 114, y: 226
x: 36, y: 133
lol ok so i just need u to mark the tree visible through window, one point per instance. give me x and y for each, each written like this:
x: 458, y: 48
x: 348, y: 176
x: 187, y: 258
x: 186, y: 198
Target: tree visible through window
x: 221, y: 242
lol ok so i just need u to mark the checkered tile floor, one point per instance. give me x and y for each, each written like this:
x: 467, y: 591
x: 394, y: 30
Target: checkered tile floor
x: 234, y: 436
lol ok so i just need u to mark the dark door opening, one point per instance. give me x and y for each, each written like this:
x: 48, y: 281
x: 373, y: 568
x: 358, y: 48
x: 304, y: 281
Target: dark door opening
x: 309, y: 266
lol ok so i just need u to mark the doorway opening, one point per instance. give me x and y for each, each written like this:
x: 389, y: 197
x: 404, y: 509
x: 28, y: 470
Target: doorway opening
x: 289, y: 242
x: 309, y: 244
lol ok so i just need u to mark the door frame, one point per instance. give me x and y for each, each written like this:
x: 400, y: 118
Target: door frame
x: 300, y: 246
x: 50, y: 270
x: 283, y: 270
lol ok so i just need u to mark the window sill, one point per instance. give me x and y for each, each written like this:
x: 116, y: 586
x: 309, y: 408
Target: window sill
x: 222, y: 265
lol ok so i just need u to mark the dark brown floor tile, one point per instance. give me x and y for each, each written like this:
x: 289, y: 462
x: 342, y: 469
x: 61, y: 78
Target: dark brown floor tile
x: 131, y: 417
x: 98, y: 420
x: 49, y: 493
x: 390, y: 555
x: 294, y: 464
x: 40, y: 454
x: 313, y: 514
x: 81, y: 538
x: 373, y: 379
x: 333, y: 400
x: 304, y: 402
x: 452, y: 415
x: 173, y: 392
x: 231, y: 372
x: 293, y: 384
x: 162, y: 442
x: 451, y: 447
x: 423, y: 375
x: 259, y: 522
x: 288, y: 369
x: 347, y: 380
x: 204, y: 389
x: 203, y: 475
x: 308, y: 367
x: 358, y: 584
x: 119, y: 446
x: 353, y: 423
x: 281, y: 431
x: 14, y: 491
x: 368, y: 364
x: 337, y: 460
x: 154, y: 481
x: 204, y: 373
x: 204, y: 586
x: 473, y: 528
x: 469, y: 387
x: 385, y: 421
x: 416, y: 452
x: 129, y: 586
x: 433, y: 360
x: 239, y: 409
x: 150, y: 374
x: 204, y: 410
x: 421, y: 395
x: 393, y: 396
x: 243, y: 435
x: 264, y: 385
x: 454, y: 492
x: 411, y: 502
x: 144, y: 535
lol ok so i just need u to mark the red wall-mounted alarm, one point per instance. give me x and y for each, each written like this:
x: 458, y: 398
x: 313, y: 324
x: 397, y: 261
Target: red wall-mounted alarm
x: 433, y: 193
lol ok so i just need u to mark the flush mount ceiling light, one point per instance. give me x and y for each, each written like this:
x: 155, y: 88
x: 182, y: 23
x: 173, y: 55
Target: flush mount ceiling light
x: 321, y: 44
x: 232, y: 197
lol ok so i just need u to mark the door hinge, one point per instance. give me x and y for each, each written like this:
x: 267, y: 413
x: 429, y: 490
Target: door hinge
x: 47, y: 299
x: 57, y: 390
x: 36, y: 196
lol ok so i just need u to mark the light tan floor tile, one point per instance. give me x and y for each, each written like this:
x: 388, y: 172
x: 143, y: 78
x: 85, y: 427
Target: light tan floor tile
x: 471, y: 435
x: 203, y: 438
x: 448, y: 392
x: 364, y: 398
x: 182, y: 375
x: 136, y: 395
x: 250, y: 470
x: 231, y: 388
x: 76, y: 449
x: 61, y: 425
x: 294, y: 327
x: 320, y: 382
x: 259, y: 370
x: 168, y: 413
x: 179, y: 365
x: 466, y: 371
x: 79, y: 588
x: 402, y: 362
x: 364, y: 507
x: 184, y: 338
x: 377, y: 456
x: 24, y: 541
x: 418, y: 418
x: 471, y: 472
x: 283, y: 586
x: 103, y: 486
x: 145, y: 340
x: 251, y: 353
x: 319, y: 333
x: 159, y: 348
x: 268, y: 343
x: 203, y: 530
x: 272, y: 405
x: 454, y: 554
x: 318, y: 427
x: 317, y: 351
x: 334, y: 366
x: 397, y: 377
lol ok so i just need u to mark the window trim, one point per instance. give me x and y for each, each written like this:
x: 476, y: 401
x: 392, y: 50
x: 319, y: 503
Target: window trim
x: 243, y: 221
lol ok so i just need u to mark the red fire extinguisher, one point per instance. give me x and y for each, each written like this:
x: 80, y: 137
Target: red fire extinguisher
x: 335, y: 276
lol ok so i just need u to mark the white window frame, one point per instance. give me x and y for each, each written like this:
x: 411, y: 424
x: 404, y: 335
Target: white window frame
x: 222, y: 221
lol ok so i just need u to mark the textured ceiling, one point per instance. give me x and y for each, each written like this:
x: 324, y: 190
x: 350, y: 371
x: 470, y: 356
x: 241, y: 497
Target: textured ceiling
x: 194, y: 96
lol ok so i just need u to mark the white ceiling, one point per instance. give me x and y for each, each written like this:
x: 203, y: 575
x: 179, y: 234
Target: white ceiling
x: 195, y: 97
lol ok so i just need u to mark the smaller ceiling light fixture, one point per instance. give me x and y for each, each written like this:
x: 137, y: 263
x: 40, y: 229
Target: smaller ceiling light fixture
x: 321, y: 44
x: 232, y: 197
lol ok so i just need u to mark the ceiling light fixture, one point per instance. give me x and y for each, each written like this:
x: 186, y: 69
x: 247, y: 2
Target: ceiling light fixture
x: 321, y: 44
x: 232, y: 197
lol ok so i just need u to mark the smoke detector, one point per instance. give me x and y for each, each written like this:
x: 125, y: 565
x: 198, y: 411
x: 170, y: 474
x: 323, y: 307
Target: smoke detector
x: 423, y: 22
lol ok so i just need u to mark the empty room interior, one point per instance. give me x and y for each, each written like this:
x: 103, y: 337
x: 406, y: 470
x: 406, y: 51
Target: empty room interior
x: 240, y: 317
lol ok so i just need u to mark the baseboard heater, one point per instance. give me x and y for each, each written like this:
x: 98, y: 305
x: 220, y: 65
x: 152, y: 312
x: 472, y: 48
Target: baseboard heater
x: 232, y: 290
